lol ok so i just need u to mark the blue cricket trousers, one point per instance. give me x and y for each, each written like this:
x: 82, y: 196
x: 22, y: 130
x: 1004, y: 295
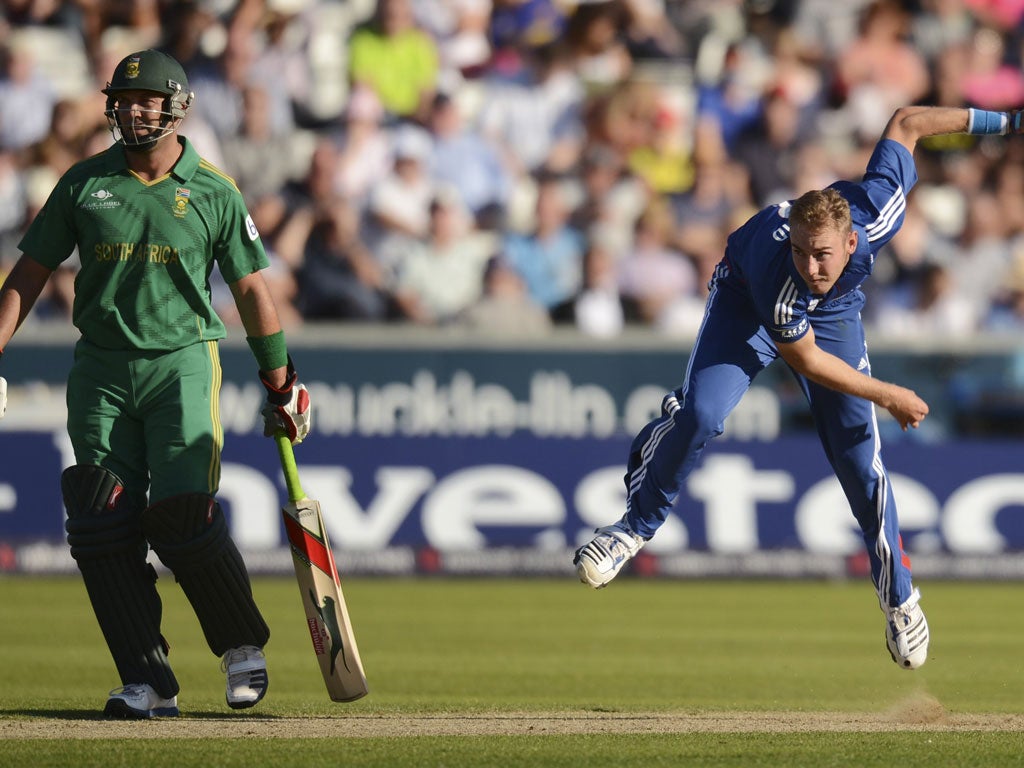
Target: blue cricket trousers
x: 732, y: 347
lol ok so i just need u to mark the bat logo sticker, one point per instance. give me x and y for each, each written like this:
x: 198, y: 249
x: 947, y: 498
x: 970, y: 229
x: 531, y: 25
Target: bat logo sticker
x: 329, y: 617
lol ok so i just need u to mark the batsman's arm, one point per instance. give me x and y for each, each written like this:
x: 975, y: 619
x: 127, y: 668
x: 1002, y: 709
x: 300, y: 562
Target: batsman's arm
x: 259, y: 317
x: 287, y: 407
x: 18, y: 295
x: 811, y: 361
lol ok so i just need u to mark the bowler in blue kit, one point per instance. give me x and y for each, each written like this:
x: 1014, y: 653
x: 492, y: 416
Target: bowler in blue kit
x: 789, y: 286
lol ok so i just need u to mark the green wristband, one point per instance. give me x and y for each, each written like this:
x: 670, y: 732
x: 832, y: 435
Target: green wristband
x: 270, y: 351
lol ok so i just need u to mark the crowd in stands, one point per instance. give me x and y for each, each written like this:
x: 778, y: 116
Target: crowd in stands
x: 518, y: 165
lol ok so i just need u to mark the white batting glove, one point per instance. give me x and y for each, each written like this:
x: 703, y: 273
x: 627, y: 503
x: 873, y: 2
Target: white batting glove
x: 287, y: 409
x: 3, y: 396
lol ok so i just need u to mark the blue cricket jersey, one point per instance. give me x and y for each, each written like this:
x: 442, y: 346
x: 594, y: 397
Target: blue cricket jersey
x: 758, y: 257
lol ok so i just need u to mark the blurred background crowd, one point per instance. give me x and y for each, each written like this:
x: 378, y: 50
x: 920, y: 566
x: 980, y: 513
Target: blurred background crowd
x: 519, y: 165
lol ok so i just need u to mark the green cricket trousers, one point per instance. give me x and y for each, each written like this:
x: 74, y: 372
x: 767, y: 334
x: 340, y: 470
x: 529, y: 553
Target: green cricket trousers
x: 152, y: 418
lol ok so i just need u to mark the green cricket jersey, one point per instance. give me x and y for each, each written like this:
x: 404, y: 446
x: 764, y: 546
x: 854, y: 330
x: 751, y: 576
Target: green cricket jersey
x: 146, y: 248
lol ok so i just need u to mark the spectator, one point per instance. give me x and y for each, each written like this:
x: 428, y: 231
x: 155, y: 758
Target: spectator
x: 223, y: 79
x: 998, y: 13
x: 638, y: 121
x: 186, y: 24
x: 396, y: 59
x: 661, y: 154
x: 729, y: 98
x: 284, y: 57
x: 769, y: 149
x: 28, y: 98
x: 365, y: 147
x: 460, y: 29
x: 505, y: 307
x: 713, y: 196
x: 595, y: 36
x: 1006, y: 313
x: 942, y: 25
x: 651, y: 35
x: 399, y: 203
x: 550, y: 256
x: 703, y: 245
x: 138, y: 18
x: 796, y: 71
x: 1009, y: 191
x: 535, y: 121
x: 300, y: 203
x: 13, y: 208
x: 598, y: 309
x: 880, y: 70
x: 611, y: 198
x: 441, y: 276
x: 653, y: 273
x: 64, y: 144
x: 930, y: 305
x: 258, y: 159
x: 463, y: 159
x: 984, y: 252
x: 991, y: 79
x: 950, y: 65
x: 900, y: 264
x: 518, y: 26
x: 339, y: 278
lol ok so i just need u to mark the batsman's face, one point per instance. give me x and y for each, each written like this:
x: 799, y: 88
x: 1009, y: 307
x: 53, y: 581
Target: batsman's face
x: 821, y: 255
x: 141, y: 116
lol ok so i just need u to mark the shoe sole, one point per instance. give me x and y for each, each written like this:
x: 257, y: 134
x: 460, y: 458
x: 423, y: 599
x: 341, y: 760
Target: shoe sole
x: 584, y: 576
x: 246, y: 704
x: 919, y: 636
x: 909, y: 662
x: 119, y: 709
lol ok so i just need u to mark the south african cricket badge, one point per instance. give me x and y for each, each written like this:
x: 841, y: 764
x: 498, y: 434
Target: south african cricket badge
x: 181, y: 196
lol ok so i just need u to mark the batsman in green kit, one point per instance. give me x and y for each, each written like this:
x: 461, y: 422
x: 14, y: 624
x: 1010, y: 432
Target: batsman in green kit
x: 150, y: 220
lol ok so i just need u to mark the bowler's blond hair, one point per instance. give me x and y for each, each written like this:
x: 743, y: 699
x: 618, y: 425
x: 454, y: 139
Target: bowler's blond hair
x: 821, y: 209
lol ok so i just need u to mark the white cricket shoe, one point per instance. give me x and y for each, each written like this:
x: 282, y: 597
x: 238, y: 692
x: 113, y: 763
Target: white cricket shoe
x: 906, y: 633
x: 139, y: 702
x: 246, y: 670
x: 600, y: 561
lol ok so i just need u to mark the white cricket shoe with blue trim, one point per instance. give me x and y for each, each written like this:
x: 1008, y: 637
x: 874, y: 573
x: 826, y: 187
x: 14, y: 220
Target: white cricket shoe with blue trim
x: 906, y: 633
x: 600, y: 561
x: 139, y: 702
x: 247, y: 681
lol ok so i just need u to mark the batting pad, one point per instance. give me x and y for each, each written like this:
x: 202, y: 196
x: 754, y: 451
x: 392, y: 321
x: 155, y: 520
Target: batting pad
x: 190, y: 535
x: 106, y: 542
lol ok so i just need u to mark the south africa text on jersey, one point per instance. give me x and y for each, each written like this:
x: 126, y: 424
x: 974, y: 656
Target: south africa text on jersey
x: 151, y: 252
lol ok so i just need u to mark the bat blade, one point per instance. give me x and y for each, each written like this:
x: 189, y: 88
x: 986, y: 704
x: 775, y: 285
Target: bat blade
x: 323, y: 601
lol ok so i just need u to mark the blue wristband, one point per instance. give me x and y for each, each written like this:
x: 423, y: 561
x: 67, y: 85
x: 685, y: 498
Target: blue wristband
x: 983, y: 122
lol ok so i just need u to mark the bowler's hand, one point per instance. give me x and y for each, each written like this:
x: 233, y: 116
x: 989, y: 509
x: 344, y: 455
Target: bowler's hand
x: 287, y: 408
x: 907, y: 408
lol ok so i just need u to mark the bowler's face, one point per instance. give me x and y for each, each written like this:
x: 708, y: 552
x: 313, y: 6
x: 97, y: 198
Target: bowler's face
x: 821, y: 255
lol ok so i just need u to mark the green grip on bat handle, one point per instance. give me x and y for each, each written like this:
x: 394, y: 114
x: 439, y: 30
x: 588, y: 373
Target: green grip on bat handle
x: 291, y: 472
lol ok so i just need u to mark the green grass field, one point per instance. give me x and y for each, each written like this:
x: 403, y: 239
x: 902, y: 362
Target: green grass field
x: 542, y: 673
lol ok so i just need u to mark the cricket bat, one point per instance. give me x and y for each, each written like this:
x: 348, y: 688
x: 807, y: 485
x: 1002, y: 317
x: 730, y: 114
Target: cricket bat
x: 320, y: 587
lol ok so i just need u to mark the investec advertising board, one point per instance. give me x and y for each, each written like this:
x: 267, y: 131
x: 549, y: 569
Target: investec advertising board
x: 464, y: 459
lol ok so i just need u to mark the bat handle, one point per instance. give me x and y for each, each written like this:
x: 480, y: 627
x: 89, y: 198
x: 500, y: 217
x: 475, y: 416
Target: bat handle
x: 291, y: 472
